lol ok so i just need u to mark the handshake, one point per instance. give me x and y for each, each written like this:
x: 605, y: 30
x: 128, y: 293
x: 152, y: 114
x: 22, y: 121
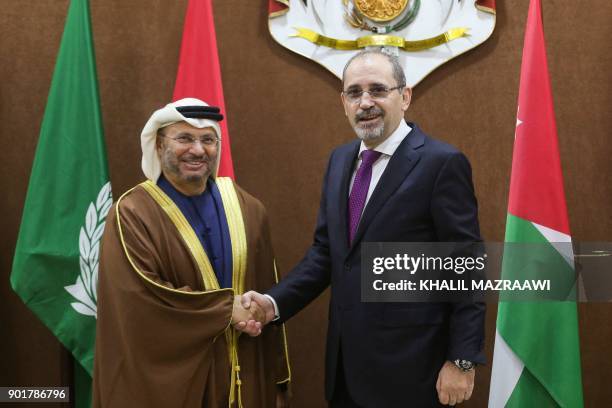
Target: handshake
x: 251, y: 311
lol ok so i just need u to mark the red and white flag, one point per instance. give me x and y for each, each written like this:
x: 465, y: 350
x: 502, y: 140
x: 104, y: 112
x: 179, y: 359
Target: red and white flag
x: 199, y: 73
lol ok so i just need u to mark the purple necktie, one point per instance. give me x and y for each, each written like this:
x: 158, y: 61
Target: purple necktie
x: 360, y: 190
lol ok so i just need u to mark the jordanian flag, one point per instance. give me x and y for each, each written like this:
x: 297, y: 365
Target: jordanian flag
x: 537, y: 357
x: 55, y: 268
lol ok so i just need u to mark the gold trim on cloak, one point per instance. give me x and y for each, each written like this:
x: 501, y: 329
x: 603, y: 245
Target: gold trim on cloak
x: 235, y: 223
x: 187, y: 233
x: 285, y: 345
x: 151, y: 281
x: 237, y: 231
x: 142, y: 275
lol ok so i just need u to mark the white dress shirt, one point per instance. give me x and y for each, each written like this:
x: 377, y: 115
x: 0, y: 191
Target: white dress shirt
x: 387, y: 148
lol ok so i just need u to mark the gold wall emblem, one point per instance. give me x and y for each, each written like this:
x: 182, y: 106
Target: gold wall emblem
x: 380, y: 10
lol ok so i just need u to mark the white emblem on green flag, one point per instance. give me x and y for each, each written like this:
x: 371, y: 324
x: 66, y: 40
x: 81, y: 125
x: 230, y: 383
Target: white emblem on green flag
x: 85, y: 288
x: 56, y: 257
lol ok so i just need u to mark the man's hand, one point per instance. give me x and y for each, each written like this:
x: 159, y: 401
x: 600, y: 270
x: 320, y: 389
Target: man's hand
x: 454, y: 386
x: 251, y: 297
x: 247, y: 319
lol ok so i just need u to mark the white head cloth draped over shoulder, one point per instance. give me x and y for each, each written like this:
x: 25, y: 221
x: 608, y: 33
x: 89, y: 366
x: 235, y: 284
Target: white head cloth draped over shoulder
x: 167, y: 116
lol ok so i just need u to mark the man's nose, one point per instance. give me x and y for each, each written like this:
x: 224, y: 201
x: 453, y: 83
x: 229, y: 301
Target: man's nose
x: 197, y: 147
x: 366, y: 101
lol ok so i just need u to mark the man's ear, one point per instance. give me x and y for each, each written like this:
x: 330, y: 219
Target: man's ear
x: 158, y: 145
x: 406, y: 98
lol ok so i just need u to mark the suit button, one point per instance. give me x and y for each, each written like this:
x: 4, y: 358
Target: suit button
x: 347, y: 267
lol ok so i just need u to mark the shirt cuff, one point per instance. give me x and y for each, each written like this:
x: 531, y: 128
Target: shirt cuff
x: 276, y: 313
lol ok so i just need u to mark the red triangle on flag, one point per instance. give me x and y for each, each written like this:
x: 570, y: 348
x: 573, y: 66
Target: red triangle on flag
x: 536, y: 186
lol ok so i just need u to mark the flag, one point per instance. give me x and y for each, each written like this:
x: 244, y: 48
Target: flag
x: 277, y: 7
x: 536, y: 360
x: 55, y: 267
x: 199, y: 73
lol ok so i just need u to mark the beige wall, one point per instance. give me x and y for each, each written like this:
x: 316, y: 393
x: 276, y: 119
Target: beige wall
x: 284, y: 116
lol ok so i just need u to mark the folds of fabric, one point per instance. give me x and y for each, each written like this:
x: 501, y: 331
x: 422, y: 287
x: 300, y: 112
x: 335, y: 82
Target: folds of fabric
x: 162, y: 338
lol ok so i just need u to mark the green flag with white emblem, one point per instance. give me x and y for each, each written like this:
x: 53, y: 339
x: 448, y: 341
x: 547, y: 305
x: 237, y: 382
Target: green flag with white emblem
x: 55, y: 267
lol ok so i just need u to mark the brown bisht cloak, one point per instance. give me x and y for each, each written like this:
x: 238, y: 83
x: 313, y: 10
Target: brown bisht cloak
x: 164, y: 337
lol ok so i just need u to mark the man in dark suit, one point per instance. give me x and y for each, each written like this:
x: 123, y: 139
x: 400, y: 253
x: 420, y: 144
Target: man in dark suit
x: 393, y: 184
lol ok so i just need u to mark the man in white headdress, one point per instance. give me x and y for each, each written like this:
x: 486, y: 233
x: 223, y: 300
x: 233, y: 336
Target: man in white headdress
x: 177, y: 252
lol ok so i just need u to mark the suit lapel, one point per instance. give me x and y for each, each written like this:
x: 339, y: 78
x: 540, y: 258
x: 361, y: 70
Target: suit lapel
x: 400, y: 165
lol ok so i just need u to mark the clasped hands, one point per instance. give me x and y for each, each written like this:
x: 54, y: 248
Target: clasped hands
x: 251, y: 311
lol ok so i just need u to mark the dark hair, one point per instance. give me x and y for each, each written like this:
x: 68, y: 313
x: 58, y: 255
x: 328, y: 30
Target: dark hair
x: 398, y: 71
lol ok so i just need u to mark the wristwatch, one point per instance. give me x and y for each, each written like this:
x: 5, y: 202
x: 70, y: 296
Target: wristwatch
x: 464, y: 365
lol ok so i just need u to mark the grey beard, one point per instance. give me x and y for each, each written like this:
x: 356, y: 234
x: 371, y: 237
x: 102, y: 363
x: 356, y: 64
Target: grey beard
x: 369, y: 133
x: 169, y: 162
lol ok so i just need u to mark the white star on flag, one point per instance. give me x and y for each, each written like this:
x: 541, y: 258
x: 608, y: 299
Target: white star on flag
x: 518, y: 120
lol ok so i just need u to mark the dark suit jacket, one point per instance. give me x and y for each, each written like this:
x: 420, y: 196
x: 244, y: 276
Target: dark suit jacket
x: 391, y: 352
